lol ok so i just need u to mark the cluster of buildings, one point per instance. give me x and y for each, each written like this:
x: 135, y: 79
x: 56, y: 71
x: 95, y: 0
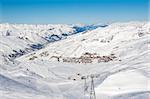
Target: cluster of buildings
x: 86, y: 58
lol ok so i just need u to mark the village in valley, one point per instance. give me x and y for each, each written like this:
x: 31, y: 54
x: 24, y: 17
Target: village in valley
x: 83, y: 59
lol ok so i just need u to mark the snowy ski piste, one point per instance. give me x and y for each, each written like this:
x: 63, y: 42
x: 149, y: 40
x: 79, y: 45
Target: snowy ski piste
x: 61, y: 61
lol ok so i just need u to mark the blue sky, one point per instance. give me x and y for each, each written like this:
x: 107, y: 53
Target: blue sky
x: 72, y: 11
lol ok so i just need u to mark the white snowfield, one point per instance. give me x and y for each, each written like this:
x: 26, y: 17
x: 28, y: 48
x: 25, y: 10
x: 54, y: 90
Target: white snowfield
x: 30, y: 69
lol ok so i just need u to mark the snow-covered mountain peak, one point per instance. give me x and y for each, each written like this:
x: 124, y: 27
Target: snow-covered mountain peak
x: 59, y: 61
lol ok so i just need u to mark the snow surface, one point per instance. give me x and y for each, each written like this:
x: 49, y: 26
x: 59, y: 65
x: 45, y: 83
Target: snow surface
x: 26, y: 74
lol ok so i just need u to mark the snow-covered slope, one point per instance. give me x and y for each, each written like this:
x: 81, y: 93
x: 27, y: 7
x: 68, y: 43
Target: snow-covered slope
x: 20, y: 39
x: 117, y: 56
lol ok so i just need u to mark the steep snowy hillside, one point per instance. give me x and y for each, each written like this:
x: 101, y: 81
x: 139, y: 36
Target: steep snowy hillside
x: 20, y: 39
x: 102, y: 41
x: 99, y: 61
